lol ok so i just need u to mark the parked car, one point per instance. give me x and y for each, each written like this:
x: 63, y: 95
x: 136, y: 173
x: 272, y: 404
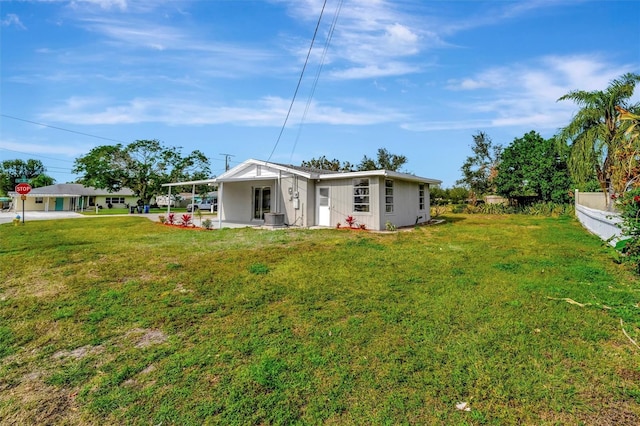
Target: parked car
x: 164, y: 200
x: 207, y: 205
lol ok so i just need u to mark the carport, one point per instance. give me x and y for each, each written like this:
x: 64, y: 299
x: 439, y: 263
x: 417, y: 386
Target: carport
x: 193, y: 183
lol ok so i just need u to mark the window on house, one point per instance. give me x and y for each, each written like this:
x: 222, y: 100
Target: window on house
x: 421, y: 203
x: 39, y: 200
x: 114, y: 200
x: 388, y: 196
x: 361, y: 195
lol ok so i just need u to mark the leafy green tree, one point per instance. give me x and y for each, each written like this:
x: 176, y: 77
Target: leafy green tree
x: 595, y: 133
x: 323, y: 163
x: 480, y: 169
x: 454, y: 195
x: 384, y: 161
x: 142, y: 166
x: 532, y: 166
x: 629, y: 206
x: 626, y: 169
x: 34, y: 170
x: 458, y: 194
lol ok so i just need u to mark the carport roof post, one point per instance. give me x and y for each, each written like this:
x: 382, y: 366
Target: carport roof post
x: 193, y: 189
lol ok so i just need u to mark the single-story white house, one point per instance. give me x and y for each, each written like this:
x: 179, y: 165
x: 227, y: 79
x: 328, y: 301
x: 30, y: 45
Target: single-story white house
x: 260, y: 192
x: 71, y: 197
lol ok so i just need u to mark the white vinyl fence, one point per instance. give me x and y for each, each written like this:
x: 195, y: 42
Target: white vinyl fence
x: 592, y: 212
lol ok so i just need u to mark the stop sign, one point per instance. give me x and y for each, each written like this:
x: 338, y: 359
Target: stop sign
x: 23, y: 188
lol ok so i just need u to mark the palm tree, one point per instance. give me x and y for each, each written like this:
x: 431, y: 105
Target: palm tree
x: 633, y: 131
x: 595, y: 132
x: 628, y: 152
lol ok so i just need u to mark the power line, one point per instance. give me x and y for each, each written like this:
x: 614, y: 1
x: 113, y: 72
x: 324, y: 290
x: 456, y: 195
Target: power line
x: 317, y: 77
x: 36, y: 155
x: 61, y: 128
x: 306, y: 61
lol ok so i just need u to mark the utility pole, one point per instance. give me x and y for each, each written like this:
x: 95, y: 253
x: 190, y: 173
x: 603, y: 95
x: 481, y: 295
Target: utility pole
x: 226, y: 161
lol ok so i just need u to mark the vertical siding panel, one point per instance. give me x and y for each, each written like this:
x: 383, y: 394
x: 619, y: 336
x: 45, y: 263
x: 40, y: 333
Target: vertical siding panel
x: 342, y: 202
x: 307, y: 201
x: 304, y: 215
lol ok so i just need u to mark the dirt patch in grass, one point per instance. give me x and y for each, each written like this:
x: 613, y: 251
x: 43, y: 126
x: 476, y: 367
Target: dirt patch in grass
x: 181, y: 289
x: 34, y: 402
x: 79, y: 353
x: 38, y: 288
x: 629, y: 374
x: 145, y: 338
x: 613, y: 414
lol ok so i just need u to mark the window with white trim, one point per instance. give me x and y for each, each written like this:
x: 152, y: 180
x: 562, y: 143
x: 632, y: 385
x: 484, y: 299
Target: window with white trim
x: 361, y: 195
x: 39, y: 200
x: 421, y: 192
x: 388, y: 196
x: 114, y: 200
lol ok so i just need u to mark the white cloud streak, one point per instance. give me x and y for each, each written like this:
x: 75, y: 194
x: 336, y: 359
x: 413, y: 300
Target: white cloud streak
x: 42, y: 148
x: 268, y: 111
x: 368, y: 33
x: 11, y: 19
x: 523, y: 95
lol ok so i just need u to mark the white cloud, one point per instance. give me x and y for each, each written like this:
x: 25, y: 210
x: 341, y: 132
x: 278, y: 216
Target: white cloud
x: 374, y: 71
x: 174, y: 111
x: 368, y: 33
x: 11, y: 19
x: 399, y: 36
x: 132, y: 33
x: 523, y: 95
x: 42, y: 148
x: 102, y: 4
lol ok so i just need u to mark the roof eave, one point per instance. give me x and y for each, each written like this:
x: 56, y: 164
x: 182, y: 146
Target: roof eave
x: 386, y: 173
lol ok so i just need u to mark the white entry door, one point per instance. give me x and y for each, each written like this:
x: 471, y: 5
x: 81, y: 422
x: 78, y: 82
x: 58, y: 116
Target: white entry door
x: 323, y: 206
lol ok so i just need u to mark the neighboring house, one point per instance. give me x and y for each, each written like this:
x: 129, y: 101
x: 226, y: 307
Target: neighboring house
x: 71, y: 197
x: 260, y: 192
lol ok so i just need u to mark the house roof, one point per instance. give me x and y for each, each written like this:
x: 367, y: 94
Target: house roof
x: 252, y: 169
x: 385, y: 173
x: 237, y: 173
x: 73, y: 190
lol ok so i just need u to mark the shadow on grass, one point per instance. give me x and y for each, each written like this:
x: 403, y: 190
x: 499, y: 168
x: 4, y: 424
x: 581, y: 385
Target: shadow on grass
x: 450, y: 218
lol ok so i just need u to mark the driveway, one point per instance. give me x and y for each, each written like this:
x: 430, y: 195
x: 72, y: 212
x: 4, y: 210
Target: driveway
x: 7, y: 217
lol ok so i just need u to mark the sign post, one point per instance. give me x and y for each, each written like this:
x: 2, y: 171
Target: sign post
x: 23, y: 189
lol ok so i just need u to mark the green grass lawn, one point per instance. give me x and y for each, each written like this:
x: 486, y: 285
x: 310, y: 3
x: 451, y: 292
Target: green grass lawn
x: 119, y: 320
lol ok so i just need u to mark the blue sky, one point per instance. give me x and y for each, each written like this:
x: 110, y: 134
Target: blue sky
x: 416, y: 77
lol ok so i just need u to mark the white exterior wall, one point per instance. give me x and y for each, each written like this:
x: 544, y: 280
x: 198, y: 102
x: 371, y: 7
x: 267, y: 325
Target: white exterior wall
x: 405, y: 204
x: 308, y: 198
x: 303, y: 215
x: 237, y: 199
x: 342, y: 202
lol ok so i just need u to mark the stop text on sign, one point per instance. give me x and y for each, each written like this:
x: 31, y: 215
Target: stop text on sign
x: 23, y: 188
